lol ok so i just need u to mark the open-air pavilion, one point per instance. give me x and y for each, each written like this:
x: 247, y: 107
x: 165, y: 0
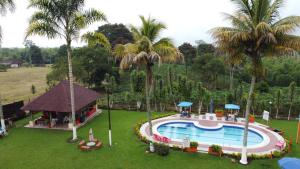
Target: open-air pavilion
x: 184, y: 106
x: 55, y: 106
x: 233, y: 110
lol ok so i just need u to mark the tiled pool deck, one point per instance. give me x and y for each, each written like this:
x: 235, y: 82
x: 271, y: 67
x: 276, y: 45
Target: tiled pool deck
x: 267, y: 148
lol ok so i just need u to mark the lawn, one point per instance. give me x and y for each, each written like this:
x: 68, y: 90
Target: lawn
x: 37, y: 148
x: 15, y: 84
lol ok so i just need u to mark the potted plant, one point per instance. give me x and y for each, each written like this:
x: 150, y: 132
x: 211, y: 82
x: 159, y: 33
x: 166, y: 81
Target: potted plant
x: 215, y: 150
x: 193, y: 147
x: 251, y: 119
x: 219, y: 113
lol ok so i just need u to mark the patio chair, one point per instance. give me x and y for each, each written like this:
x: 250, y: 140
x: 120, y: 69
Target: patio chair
x: 81, y: 143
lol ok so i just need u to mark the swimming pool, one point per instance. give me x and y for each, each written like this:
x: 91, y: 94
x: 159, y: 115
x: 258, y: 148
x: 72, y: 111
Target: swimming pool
x: 225, y: 135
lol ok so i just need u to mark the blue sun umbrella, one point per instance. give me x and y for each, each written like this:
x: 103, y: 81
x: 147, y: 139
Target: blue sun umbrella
x: 289, y: 163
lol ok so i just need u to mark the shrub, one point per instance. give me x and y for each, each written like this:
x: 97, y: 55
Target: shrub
x: 161, y: 149
x: 262, y: 86
x: 193, y: 144
x: 3, y: 68
x: 276, y: 154
x: 216, y: 148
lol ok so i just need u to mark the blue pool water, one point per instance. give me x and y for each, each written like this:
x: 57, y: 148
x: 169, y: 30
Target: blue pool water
x: 227, y: 135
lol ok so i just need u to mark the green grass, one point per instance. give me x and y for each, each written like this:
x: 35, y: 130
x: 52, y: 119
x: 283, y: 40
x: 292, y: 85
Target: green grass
x: 37, y: 148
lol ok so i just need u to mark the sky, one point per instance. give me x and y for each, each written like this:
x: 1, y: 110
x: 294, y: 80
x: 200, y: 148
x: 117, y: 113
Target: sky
x: 186, y: 20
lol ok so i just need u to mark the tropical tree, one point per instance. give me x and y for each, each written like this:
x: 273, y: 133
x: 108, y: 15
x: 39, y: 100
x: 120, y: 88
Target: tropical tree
x: 63, y: 19
x: 233, y: 61
x: 137, y: 82
x: 145, y: 51
x: 257, y: 31
x: 292, y: 87
x: 4, y: 6
x: 199, y: 94
x: 278, y: 101
x: 189, y: 53
x: 116, y: 33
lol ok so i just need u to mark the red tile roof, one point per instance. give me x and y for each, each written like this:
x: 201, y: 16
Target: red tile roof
x: 58, y: 98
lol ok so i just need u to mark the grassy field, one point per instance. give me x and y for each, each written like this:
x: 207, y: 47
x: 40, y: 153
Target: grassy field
x: 15, y: 84
x: 37, y: 148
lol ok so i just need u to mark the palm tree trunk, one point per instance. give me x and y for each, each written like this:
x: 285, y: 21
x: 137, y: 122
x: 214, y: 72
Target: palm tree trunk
x: 148, y: 89
x: 277, y: 111
x: 231, y: 78
x: 248, y: 106
x: 290, y: 109
x: 71, y: 88
x: 200, y: 106
x: 148, y: 92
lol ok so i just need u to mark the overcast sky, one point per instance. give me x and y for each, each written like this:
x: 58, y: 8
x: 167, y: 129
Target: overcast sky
x: 187, y: 20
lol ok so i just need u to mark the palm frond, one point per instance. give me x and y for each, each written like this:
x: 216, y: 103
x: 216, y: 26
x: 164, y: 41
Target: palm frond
x: 42, y: 29
x: 6, y: 5
x: 286, y: 25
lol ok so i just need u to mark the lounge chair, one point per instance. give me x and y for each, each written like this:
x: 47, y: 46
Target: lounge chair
x: 98, y: 145
x: 280, y: 144
x: 81, y: 143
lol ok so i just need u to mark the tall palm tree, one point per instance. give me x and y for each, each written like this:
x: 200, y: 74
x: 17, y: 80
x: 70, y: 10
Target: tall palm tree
x: 4, y: 6
x: 257, y: 31
x: 63, y: 19
x: 145, y: 51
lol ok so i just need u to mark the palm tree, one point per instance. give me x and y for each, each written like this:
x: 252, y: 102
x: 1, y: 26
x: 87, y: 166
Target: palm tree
x: 4, y: 6
x: 145, y: 51
x: 63, y: 19
x: 291, y: 96
x: 257, y: 31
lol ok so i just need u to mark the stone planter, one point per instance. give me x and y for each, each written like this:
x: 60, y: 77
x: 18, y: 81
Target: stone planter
x: 218, y: 154
x: 251, y: 119
x: 191, y: 149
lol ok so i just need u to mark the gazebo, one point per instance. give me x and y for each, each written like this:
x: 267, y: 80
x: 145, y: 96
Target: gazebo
x: 231, y: 108
x: 55, y: 106
x: 185, y: 105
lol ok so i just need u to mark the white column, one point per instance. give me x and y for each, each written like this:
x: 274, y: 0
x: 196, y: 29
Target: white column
x: 74, y: 132
x: 110, y: 140
x: 3, y: 125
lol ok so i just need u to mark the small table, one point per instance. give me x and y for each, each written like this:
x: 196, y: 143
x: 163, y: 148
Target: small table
x: 91, y: 144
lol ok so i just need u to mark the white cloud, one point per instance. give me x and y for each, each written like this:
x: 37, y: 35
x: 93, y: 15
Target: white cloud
x: 187, y: 20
